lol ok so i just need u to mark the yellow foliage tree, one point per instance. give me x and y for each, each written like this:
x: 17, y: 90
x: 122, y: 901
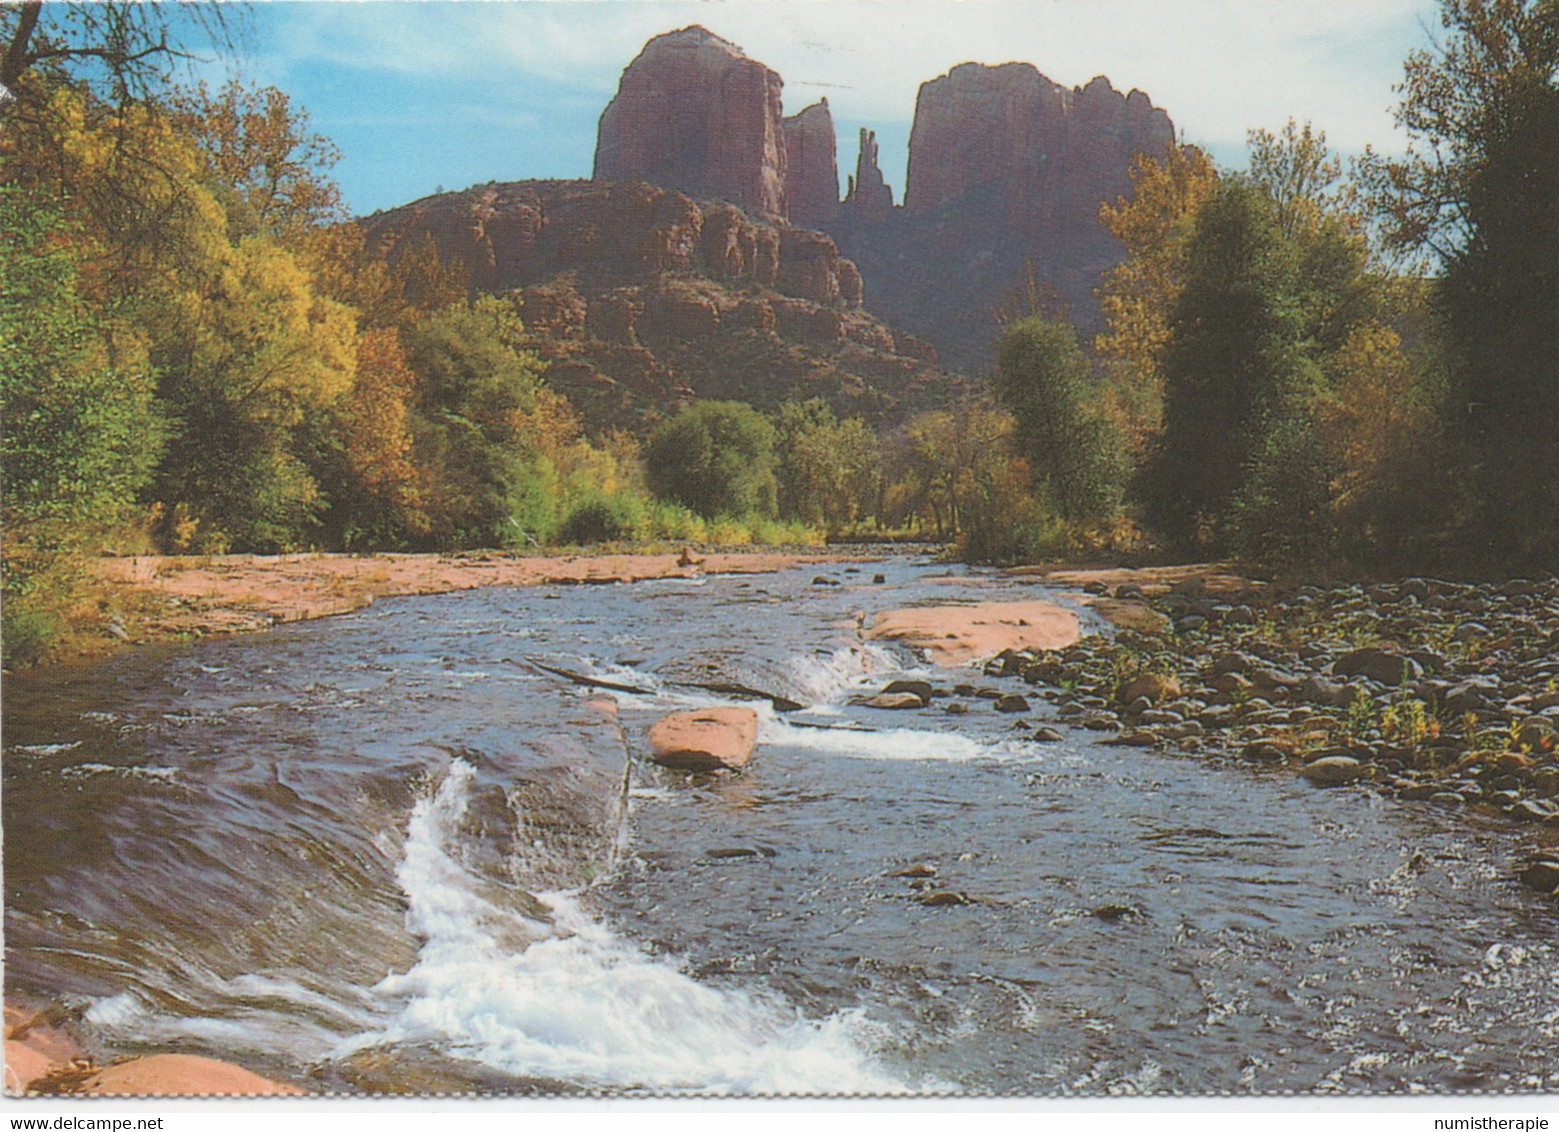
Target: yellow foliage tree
x: 1155, y: 223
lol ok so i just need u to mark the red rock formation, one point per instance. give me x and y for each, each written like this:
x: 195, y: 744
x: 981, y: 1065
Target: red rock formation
x: 1007, y: 171
x: 521, y: 234
x: 641, y: 298
x: 812, y: 180
x: 693, y: 113
x: 869, y: 198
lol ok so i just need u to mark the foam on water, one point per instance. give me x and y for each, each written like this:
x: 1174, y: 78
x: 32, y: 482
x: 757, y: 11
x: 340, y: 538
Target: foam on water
x: 569, y: 1000
x: 825, y: 677
x: 890, y: 744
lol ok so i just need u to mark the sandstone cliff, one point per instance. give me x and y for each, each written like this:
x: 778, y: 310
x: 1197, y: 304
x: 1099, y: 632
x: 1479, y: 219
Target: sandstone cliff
x: 812, y: 176
x: 693, y: 113
x: 1007, y: 171
x: 642, y: 298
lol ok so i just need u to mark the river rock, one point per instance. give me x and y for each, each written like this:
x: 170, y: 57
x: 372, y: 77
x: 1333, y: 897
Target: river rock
x: 1542, y: 875
x: 1012, y: 703
x: 944, y: 899
x: 921, y: 688
x: 1273, y: 752
x: 1333, y: 770
x: 1470, y: 695
x: 182, y: 1075
x: 1381, y: 665
x: 890, y: 701
x: 1152, y: 686
x: 719, y: 738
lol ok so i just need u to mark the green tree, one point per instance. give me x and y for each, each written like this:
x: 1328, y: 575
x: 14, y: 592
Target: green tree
x: 487, y: 479
x: 1230, y: 355
x: 1477, y: 194
x: 1077, y: 456
x: 715, y: 458
x: 828, y: 469
x: 80, y: 431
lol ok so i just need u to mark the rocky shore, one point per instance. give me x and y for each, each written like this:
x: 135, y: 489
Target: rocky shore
x: 1431, y: 692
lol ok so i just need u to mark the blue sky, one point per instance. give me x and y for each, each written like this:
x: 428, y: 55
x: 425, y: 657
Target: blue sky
x: 420, y: 94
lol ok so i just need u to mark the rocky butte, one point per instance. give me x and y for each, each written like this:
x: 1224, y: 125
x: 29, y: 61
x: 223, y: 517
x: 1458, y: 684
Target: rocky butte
x: 1007, y: 171
x: 693, y: 113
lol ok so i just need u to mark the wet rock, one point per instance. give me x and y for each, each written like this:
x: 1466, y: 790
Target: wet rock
x: 1332, y: 770
x: 896, y: 701
x: 1045, y: 735
x: 919, y: 870
x: 737, y: 853
x: 944, y: 899
x: 1532, y: 810
x: 956, y: 709
x: 1012, y: 703
x: 921, y: 688
x: 719, y: 738
x: 1112, y: 912
x: 824, y: 580
x: 1542, y: 875
x: 1136, y: 738
x: 1448, y: 798
x: 1271, y: 752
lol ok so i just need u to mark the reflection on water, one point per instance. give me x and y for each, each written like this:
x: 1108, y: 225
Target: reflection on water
x: 385, y: 851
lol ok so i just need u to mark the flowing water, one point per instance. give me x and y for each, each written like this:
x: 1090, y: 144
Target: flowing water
x: 385, y: 852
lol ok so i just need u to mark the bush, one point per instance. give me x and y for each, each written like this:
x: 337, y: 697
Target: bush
x: 715, y: 458
x: 599, y: 520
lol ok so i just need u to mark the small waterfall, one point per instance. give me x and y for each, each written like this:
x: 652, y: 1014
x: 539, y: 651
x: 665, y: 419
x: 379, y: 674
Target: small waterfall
x: 560, y: 996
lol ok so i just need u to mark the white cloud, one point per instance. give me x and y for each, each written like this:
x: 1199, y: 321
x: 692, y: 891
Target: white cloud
x: 1220, y: 67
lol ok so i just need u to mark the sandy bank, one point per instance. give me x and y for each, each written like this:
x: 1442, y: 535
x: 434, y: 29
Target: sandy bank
x: 181, y: 597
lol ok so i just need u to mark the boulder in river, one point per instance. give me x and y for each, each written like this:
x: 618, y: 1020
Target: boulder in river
x: 719, y: 738
x: 1333, y: 770
x: 891, y: 701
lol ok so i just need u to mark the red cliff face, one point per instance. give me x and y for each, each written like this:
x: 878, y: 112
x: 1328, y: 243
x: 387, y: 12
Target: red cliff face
x: 644, y: 297
x: 693, y: 113
x: 1048, y: 154
x: 1007, y: 171
x: 812, y: 176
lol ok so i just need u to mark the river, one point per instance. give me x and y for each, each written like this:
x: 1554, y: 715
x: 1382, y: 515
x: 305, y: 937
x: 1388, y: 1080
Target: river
x: 384, y: 852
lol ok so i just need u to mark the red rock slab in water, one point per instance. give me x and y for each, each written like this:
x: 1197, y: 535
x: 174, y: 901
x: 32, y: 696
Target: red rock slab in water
x: 963, y: 634
x: 181, y: 1075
